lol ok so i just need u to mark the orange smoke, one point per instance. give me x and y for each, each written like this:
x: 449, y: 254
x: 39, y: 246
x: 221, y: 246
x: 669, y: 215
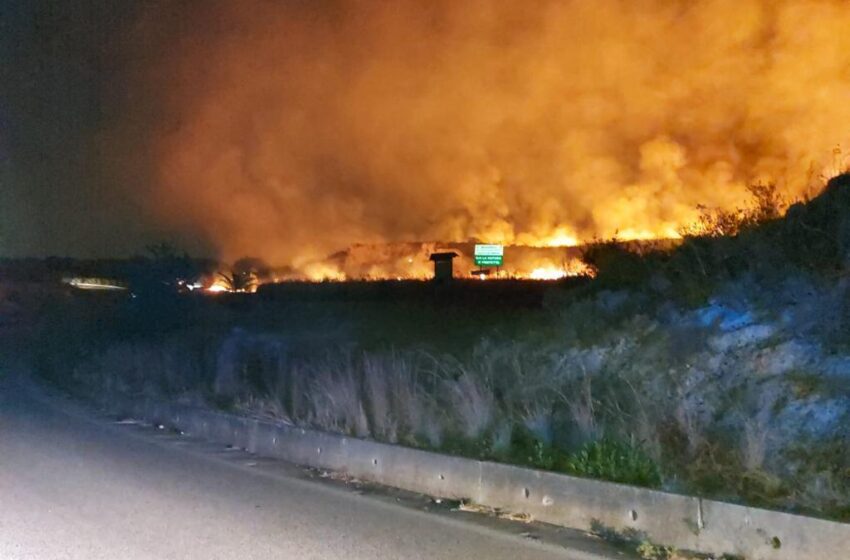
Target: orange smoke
x: 297, y: 129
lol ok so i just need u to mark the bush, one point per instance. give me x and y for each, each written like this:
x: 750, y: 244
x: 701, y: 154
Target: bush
x: 615, y: 461
x: 617, y: 265
x: 650, y: 551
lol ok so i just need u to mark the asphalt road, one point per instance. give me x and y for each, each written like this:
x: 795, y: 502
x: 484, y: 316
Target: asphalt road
x: 76, y: 485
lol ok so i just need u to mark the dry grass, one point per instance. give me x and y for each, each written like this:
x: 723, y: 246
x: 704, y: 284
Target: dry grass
x: 530, y: 404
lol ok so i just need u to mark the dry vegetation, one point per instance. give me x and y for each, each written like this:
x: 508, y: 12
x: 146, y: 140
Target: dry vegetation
x: 716, y: 368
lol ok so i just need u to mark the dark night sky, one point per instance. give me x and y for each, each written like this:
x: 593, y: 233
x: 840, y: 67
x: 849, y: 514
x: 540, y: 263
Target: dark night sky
x: 62, y: 88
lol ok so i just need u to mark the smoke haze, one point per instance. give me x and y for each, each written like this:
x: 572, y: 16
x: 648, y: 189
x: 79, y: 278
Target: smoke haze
x: 289, y: 130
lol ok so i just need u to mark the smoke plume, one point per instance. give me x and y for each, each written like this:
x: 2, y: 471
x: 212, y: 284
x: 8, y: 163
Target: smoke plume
x: 289, y: 130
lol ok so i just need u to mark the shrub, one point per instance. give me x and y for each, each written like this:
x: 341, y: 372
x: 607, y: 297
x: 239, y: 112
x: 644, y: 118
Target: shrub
x: 615, y: 461
x: 526, y: 449
x: 616, y: 264
x: 650, y: 551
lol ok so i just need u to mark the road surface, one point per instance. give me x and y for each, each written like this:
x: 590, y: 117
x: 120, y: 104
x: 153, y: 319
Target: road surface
x: 76, y: 485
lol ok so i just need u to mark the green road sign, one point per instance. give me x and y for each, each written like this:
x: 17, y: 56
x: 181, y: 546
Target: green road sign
x: 489, y: 255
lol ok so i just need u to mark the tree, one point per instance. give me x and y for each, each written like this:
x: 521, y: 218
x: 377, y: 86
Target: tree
x: 239, y: 280
x: 253, y: 265
x: 161, y: 269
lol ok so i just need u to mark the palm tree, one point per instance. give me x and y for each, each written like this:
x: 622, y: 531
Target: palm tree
x: 239, y: 280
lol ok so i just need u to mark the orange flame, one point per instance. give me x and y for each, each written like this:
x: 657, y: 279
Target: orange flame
x: 306, y: 128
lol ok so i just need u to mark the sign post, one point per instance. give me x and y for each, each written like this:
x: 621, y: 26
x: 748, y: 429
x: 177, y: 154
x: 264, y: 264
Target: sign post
x: 489, y: 255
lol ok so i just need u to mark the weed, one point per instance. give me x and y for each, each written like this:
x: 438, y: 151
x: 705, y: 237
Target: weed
x: 649, y: 551
x: 615, y: 461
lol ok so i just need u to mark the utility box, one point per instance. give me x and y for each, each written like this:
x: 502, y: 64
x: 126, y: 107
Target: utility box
x: 443, y: 266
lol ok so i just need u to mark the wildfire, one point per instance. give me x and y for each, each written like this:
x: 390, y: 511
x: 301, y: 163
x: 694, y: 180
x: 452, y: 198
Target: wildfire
x: 561, y: 238
x: 217, y: 288
x: 410, y: 261
x: 243, y: 282
x: 548, y: 274
x: 321, y: 272
x: 668, y: 232
x: 541, y: 127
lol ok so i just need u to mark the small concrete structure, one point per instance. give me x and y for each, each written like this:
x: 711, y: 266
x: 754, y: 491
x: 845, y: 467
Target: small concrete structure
x: 443, y: 267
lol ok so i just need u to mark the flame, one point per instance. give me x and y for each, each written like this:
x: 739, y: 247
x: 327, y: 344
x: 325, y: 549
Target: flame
x: 548, y: 274
x: 306, y: 128
x: 321, y: 272
x: 217, y: 288
x: 410, y: 261
x: 668, y: 232
x: 561, y: 237
x: 574, y: 267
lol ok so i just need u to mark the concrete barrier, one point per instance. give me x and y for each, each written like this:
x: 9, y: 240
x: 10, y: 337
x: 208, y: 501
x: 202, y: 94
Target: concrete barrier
x: 762, y: 534
x: 685, y: 522
x: 591, y: 504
